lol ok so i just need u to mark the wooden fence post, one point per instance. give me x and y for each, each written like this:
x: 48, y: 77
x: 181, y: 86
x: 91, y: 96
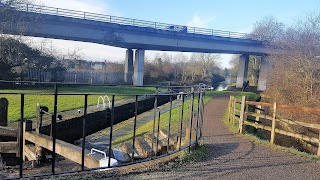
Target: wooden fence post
x: 257, y: 118
x: 4, y: 112
x: 234, y: 101
x: 27, y: 126
x: 318, y: 153
x: 38, y: 148
x: 229, y: 105
x: 273, y: 127
x: 242, y: 115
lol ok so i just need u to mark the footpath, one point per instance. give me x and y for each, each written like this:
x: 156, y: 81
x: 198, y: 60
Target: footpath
x: 231, y: 156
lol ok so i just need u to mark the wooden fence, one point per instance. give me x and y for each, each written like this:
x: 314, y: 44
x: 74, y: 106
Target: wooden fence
x: 239, y: 111
x: 12, y: 146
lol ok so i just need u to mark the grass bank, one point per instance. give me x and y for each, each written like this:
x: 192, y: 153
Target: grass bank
x: 65, y: 102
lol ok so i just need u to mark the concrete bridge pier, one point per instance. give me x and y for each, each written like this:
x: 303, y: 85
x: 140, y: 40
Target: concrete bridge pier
x: 138, y: 67
x: 242, y: 70
x: 128, y: 67
x: 265, y: 67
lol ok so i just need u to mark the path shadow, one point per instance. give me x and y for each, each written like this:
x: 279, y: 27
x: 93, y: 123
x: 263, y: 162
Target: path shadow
x: 220, y: 149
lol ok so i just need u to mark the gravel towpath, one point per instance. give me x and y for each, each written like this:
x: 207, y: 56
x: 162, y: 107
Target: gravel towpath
x: 231, y: 156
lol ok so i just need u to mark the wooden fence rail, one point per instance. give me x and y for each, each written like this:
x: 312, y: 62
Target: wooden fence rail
x: 239, y: 110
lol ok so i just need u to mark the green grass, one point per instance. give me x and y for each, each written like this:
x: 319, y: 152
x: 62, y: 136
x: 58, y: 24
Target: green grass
x: 65, y: 102
x: 250, y: 96
x: 196, y: 154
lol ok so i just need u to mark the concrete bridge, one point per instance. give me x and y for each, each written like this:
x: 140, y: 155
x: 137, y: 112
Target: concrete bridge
x: 134, y: 35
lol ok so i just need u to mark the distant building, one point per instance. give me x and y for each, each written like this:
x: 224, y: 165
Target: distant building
x: 85, y: 66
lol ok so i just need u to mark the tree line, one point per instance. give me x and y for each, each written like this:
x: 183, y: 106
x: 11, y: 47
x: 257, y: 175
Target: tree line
x: 181, y: 69
x: 294, y: 78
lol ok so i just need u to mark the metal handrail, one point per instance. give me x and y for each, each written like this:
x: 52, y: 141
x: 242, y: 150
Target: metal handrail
x: 134, y: 22
x: 195, y: 125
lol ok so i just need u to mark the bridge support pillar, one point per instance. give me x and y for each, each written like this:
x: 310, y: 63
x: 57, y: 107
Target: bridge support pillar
x: 265, y: 67
x: 128, y: 67
x: 242, y: 70
x: 138, y: 67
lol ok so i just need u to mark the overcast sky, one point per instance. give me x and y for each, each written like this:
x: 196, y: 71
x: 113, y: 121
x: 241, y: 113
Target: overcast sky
x: 228, y: 15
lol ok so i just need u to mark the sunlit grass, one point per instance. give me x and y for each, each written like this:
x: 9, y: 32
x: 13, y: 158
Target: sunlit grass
x: 65, y: 102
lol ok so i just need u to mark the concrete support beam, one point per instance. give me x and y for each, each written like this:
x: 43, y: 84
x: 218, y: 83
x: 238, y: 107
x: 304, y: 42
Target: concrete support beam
x: 265, y: 67
x: 138, y: 67
x: 128, y: 67
x: 242, y: 70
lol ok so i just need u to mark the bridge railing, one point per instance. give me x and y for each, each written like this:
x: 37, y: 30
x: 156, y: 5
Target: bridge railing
x: 134, y: 22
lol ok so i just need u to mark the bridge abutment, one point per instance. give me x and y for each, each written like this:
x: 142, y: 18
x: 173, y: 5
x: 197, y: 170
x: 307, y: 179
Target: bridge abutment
x: 265, y: 67
x: 128, y: 67
x: 138, y: 67
x: 242, y: 70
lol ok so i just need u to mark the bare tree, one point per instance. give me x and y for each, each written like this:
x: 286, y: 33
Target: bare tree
x: 205, y: 64
x: 295, y: 78
x: 273, y: 30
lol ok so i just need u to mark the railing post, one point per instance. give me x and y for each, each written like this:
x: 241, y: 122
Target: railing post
x: 242, y: 115
x: 54, y: 128
x: 202, y: 111
x: 134, y: 126
x: 27, y: 7
x: 84, y: 131
x: 273, y: 127
x: 158, y: 128
x: 111, y: 130
x: 57, y: 11
x: 154, y: 124
x: 84, y: 15
x: 191, y: 118
x: 181, y: 122
x: 20, y: 138
x: 169, y: 124
x: 198, y: 111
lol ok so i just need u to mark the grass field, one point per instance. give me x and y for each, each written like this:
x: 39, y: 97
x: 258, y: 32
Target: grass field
x: 65, y: 102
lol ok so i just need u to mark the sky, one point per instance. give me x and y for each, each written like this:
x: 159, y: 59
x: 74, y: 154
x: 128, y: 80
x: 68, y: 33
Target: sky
x: 228, y: 15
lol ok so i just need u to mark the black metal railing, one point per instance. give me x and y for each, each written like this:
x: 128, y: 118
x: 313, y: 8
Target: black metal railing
x: 184, y: 119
